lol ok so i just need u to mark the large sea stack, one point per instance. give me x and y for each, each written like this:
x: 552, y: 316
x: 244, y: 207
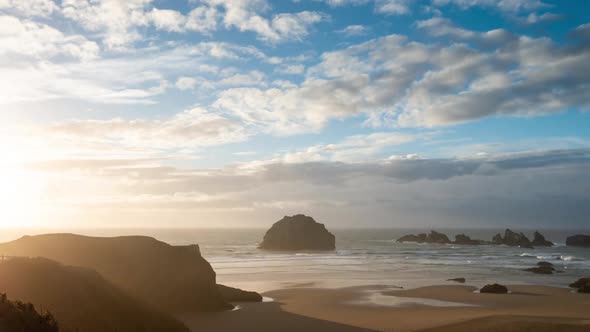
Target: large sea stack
x: 298, y: 232
x: 578, y: 241
x: 172, y: 278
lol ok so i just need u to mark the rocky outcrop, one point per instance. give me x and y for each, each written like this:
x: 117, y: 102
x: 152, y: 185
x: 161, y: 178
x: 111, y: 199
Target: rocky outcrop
x: 298, y: 232
x: 19, y: 316
x: 578, y: 241
x: 494, y: 289
x: 580, y: 282
x: 543, y: 263
x: 231, y: 294
x: 79, y: 298
x: 420, y: 238
x: 542, y: 268
x: 459, y: 280
x: 512, y: 239
x: 173, y: 278
x: 433, y: 237
x: 583, y: 285
x: 540, y: 241
x: 466, y: 240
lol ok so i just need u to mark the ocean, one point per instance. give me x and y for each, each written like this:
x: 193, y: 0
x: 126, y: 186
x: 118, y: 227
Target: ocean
x: 368, y: 257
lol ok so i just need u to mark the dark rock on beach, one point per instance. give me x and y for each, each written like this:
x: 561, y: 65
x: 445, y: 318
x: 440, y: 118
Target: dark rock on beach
x: 581, y: 282
x: 578, y: 241
x: 298, y: 232
x: 494, y: 289
x: 585, y: 288
x: 540, y: 241
x: 513, y: 239
x: 231, y: 294
x: 459, y: 280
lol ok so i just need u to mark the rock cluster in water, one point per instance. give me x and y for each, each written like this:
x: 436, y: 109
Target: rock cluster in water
x: 578, y: 241
x: 510, y: 238
x: 298, y: 232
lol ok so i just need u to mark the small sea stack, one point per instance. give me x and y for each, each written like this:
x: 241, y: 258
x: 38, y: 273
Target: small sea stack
x: 513, y: 239
x: 298, y: 232
x: 540, y: 241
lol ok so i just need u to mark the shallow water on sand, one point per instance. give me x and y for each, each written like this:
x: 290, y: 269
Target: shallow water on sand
x: 372, y: 257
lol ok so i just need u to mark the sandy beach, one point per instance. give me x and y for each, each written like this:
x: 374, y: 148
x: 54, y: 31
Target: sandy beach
x: 387, y: 308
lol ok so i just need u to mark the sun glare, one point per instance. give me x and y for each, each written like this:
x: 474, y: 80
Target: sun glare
x: 19, y: 198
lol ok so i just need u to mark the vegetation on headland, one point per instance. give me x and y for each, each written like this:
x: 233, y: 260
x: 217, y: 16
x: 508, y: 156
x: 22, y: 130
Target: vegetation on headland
x: 19, y: 316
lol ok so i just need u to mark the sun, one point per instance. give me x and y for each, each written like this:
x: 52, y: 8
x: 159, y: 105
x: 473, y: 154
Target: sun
x: 20, y: 198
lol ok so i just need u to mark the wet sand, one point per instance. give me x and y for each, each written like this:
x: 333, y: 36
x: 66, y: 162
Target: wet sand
x: 385, y: 308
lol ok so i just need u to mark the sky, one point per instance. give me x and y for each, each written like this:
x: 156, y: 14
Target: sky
x: 360, y: 113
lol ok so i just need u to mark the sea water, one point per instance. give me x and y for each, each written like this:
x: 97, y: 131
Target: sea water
x: 370, y: 257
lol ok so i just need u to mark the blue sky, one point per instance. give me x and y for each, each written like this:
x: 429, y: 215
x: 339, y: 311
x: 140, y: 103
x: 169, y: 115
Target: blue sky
x: 161, y: 103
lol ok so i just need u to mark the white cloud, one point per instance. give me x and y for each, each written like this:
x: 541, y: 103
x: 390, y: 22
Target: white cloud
x: 185, y: 83
x: 167, y: 20
x: 116, y: 20
x: 203, y: 19
x: 402, y: 7
x: 296, y: 69
x: 245, y: 15
x: 396, y: 82
x: 24, y: 38
x: 354, y: 30
x: 42, y: 8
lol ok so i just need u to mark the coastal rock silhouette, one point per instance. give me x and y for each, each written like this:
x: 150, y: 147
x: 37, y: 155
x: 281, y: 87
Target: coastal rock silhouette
x: 494, y: 289
x: 172, y: 278
x: 466, y: 240
x: 79, y: 298
x: 433, y: 237
x: 540, y: 241
x: 578, y: 241
x: 231, y: 294
x: 298, y: 232
x: 513, y: 239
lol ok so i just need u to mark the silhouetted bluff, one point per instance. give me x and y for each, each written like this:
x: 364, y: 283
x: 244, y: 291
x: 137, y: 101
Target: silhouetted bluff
x: 173, y: 278
x: 19, y: 316
x: 79, y: 298
x: 298, y: 232
x: 578, y: 241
